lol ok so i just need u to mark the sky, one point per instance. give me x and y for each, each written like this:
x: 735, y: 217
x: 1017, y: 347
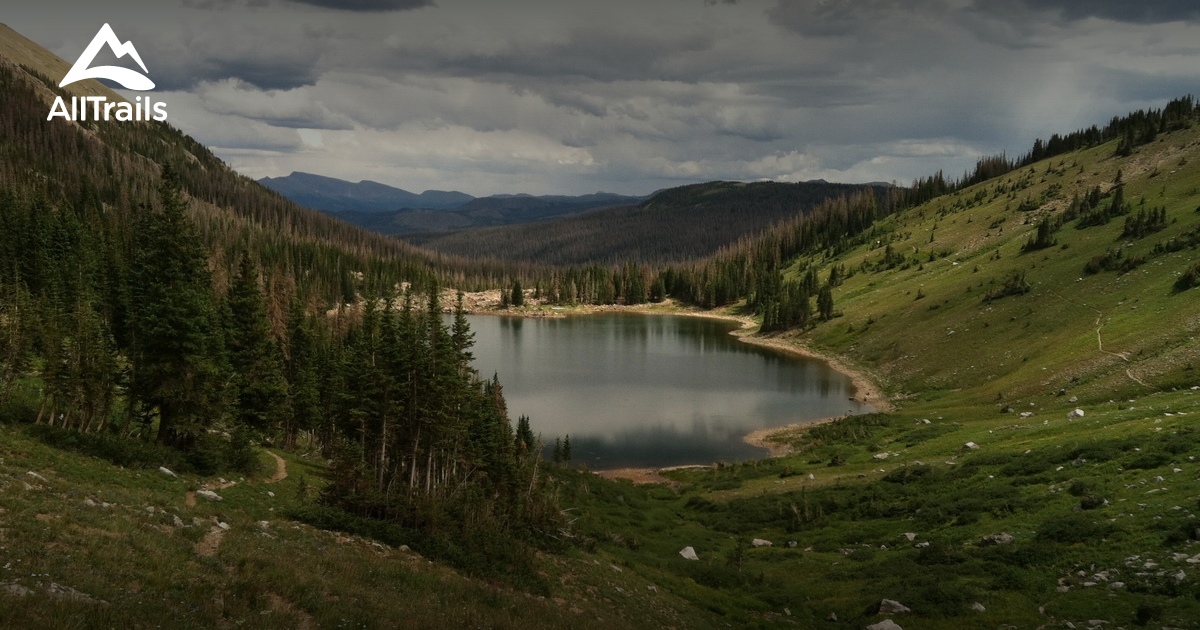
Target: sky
x: 574, y: 97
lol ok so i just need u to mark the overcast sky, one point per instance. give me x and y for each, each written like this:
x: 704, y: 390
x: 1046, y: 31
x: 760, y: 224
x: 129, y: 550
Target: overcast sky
x: 565, y: 96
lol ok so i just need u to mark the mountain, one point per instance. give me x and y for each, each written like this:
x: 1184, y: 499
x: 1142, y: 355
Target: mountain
x: 483, y: 212
x: 330, y: 194
x: 673, y: 225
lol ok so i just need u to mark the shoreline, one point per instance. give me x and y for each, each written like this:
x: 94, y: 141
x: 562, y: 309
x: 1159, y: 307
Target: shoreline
x: 865, y: 388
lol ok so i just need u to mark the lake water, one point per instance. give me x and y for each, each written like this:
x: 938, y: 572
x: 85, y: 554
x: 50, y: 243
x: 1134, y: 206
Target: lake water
x: 651, y: 390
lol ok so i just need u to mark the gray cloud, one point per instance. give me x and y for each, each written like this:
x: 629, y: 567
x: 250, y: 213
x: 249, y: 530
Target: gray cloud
x: 630, y: 96
x: 368, y: 6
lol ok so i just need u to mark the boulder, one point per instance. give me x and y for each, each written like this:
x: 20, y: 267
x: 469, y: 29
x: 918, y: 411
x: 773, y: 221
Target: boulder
x: 1003, y: 538
x: 759, y: 542
x: 33, y: 475
x: 911, y: 536
x: 688, y: 553
x: 970, y: 446
x: 15, y: 590
x: 977, y: 607
x: 831, y: 617
x: 209, y: 494
x: 886, y: 624
x: 892, y: 607
x: 167, y: 471
x: 1078, y: 413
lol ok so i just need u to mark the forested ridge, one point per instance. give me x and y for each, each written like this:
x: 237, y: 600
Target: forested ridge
x: 157, y: 308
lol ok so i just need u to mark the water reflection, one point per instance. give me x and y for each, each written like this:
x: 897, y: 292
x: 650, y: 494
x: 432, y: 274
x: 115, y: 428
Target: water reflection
x: 638, y: 390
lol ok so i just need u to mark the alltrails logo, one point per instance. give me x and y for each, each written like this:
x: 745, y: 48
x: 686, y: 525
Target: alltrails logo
x: 100, y: 107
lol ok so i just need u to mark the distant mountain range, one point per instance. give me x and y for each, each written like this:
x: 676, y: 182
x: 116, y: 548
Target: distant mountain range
x: 329, y: 194
x: 390, y: 210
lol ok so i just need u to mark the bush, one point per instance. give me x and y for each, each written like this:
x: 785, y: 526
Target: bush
x: 112, y: 448
x: 1073, y: 528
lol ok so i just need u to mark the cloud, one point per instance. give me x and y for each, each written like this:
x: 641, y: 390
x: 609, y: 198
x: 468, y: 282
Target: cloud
x: 368, y: 6
x: 1137, y: 12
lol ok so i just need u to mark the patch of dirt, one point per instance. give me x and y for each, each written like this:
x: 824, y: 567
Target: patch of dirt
x: 304, y: 621
x: 189, y: 499
x: 208, y: 546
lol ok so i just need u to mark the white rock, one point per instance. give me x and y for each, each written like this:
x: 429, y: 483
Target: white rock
x: 209, y: 494
x: 1073, y: 400
x: 911, y: 536
x: 922, y: 545
x: 167, y: 471
x: 1078, y: 413
x: 886, y: 624
x: 15, y: 590
x: 34, y: 475
x: 1116, y: 585
x: 178, y: 521
x: 811, y: 476
x: 970, y: 446
x: 223, y: 525
x: 688, y: 553
x: 759, y: 542
x: 881, y: 455
x: 892, y: 607
x: 270, y: 494
x: 977, y: 607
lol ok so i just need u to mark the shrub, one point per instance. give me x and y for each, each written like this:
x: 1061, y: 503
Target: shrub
x: 1072, y: 529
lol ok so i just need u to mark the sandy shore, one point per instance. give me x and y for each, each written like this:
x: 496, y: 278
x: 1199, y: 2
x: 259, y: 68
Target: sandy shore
x: 865, y: 389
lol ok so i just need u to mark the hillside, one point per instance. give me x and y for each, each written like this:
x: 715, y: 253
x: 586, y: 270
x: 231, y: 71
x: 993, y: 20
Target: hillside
x: 482, y: 212
x: 673, y: 225
x: 330, y: 194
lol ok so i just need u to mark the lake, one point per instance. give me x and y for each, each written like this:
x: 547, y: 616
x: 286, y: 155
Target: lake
x: 651, y: 390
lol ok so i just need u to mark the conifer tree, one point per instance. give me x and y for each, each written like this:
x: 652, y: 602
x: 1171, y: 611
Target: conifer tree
x: 260, y: 390
x: 176, y: 353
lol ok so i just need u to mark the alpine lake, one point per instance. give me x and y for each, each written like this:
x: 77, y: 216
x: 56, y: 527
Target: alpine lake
x: 642, y: 391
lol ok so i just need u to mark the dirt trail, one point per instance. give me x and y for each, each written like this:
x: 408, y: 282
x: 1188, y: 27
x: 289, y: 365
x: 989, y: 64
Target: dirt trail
x: 208, y: 546
x: 280, y: 469
x: 1122, y: 355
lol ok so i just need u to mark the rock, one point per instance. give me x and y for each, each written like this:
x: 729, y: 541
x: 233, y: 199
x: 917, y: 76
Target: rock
x: 33, y: 475
x: 1078, y: 413
x: 15, y: 590
x: 811, y: 476
x: 792, y: 544
x: 1026, y: 414
x: 149, y: 509
x: 58, y: 591
x: 209, y: 494
x: 892, y: 607
x: 688, y: 553
x: 881, y: 455
x: 167, y: 471
x: 404, y: 548
x: 223, y: 525
x: 178, y: 521
x: 977, y: 607
x: 911, y: 536
x: 922, y: 545
x: 886, y: 624
x: 1003, y: 538
x: 270, y: 494
x: 1181, y: 576
x: 264, y: 524
x: 89, y: 502
x: 1117, y: 586
x: 1073, y: 400
x: 970, y: 446
x: 759, y: 542
x: 831, y: 617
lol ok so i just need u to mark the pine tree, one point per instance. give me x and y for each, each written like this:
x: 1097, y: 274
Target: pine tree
x: 176, y: 343
x: 303, y: 384
x: 517, y: 298
x: 825, y: 303
x: 260, y: 390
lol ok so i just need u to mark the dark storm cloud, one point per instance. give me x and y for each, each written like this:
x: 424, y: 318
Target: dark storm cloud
x: 368, y: 6
x: 1132, y: 11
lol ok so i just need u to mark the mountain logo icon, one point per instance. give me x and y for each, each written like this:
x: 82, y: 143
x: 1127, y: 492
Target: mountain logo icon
x: 129, y: 79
